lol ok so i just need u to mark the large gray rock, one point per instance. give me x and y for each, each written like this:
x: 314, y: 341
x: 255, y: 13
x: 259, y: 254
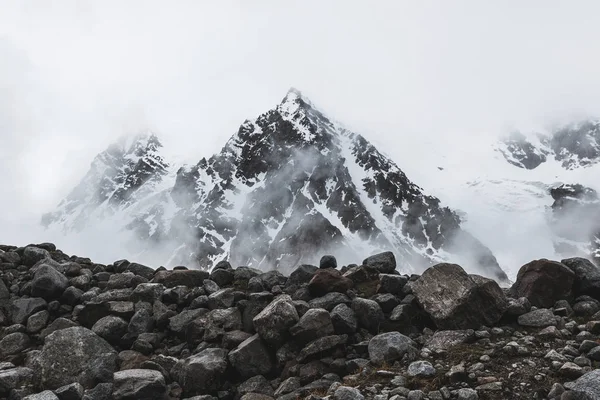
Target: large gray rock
x: 320, y: 347
x: 315, y: 323
x: 389, y: 347
x: 32, y: 255
x: 21, y: 309
x: 73, y: 391
x: 251, y: 357
x: 329, y: 301
x: 543, y: 282
x: 385, y: 263
x: 45, y: 395
x: 48, y: 283
x: 190, y: 278
x: 588, y: 385
x: 347, y: 393
x: 539, y: 318
x: 445, y: 340
x: 139, y: 384
x: 13, y: 343
x: 14, y: 378
x: 368, y: 313
x: 343, y: 319
x: 110, y: 328
x: 202, y: 372
x: 76, y: 355
x: 273, y: 323
x: 587, y: 277
x: 455, y: 300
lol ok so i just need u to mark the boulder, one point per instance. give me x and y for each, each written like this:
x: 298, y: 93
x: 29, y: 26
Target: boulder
x: 139, y: 384
x: 543, y: 282
x: 89, y: 360
x: 389, y: 347
x: 321, y: 347
x: 329, y: 301
x: 15, y: 378
x: 274, y: 321
x: 303, y: 274
x: 347, y: 393
x: 393, y: 284
x: 587, y: 277
x: 13, y: 343
x: 539, y: 318
x: 48, y: 283
x: 586, y: 385
x: 110, y: 328
x: 315, y: 323
x: 251, y: 357
x: 445, y: 340
x: 32, y: 255
x: 328, y: 262
x: 189, y: 278
x: 368, y: 313
x: 343, y: 319
x: 455, y: 300
x: 328, y: 280
x: 422, y: 369
x: 45, y: 395
x: 22, y: 309
x: 385, y: 262
x: 202, y: 372
x: 73, y: 391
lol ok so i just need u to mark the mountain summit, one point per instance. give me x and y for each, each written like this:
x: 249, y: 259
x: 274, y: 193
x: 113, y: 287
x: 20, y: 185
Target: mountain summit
x: 288, y: 186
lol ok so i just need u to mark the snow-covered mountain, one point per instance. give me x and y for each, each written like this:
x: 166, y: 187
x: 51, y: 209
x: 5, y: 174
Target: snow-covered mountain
x: 288, y: 187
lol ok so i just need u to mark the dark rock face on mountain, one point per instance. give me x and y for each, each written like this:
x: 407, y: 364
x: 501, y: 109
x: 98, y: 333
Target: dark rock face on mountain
x: 576, y: 220
x: 288, y: 185
x: 574, y: 146
x: 137, y: 333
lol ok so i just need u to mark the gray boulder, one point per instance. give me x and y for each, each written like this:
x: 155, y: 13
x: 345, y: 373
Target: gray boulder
x: 14, y: 378
x: 587, y: 277
x: 385, y: 262
x: 45, y: 395
x: 389, y: 347
x: 21, y: 309
x: 110, y: 328
x: 343, y: 319
x: 273, y: 323
x: 73, y: 391
x: 543, y: 282
x: 48, y: 283
x: 202, y: 372
x: 139, y: 384
x: 587, y: 385
x: 539, y: 318
x: 251, y: 357
x: 315, y: 323
x: 347, y: 393
x: 422, y: 369
x: 89, y: 360
x: 455, y: 300
x: 13, y: 343
x: 32, y: 255
x: 368, y: 313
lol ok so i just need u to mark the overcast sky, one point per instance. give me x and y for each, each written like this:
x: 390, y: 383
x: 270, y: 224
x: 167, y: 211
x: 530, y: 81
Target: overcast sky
x: 74, y: 75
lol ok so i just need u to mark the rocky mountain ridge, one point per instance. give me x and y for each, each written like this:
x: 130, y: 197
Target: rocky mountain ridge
x: 74, y: 329
x: 288, y: 185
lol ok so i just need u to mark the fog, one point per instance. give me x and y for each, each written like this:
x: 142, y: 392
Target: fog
x: 75, y: 75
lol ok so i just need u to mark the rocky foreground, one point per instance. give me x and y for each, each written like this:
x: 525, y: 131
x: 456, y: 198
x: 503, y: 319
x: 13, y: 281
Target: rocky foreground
x: 74, y: 329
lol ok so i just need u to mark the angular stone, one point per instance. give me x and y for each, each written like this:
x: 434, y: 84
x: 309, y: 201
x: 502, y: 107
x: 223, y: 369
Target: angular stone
x: 139, y: 384
x: 21, y: 309
x: 328, y: 280
x: 89, y: 361
x: 587, y: 277
x: 251, y: 357
x: 445, y: 340
x: 315, y: 323
x: 539, y: 318
x: 202, y: 372
x: 189, y: 278
x: 422, y: 369
x: 455, y: 300
x: 343, y: 319
x: 13, y: 343
x: 48, y: 283
x: 273, y: 323
x: 368, y: 313
x: 385, y: 263
x: 389, y: 347
x: 543, y: 282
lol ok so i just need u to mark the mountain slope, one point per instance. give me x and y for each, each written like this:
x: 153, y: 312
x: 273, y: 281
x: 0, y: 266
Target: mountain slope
x: 287, y: 187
